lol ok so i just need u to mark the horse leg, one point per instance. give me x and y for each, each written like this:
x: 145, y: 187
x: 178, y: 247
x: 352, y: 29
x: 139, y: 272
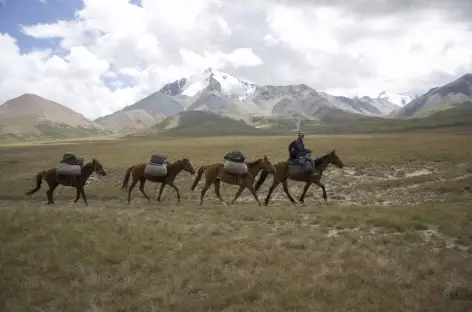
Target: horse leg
x: 77, y: 197
x: 130, y: 189
x: 50, y: 192
x: 305, y: 189
x: 142, y: 181
x: 217, y: 191
x: 161, y: 189
x: 82, y: 192
x: 251, y: 188
x: 238, y: 193
x: 285, y: 186
x: 271, y: 189
x: 172, y: 185
x: 204, y: 190
x: 325, y: 196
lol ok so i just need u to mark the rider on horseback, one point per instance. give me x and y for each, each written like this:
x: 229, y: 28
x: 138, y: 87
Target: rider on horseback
x: 297, y: 150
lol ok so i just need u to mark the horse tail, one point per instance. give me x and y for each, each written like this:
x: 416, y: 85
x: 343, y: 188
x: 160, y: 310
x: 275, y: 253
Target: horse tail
x: 39, y: 180
x: 126, y: 179
x: 198, y: 177
x: 262, y: 178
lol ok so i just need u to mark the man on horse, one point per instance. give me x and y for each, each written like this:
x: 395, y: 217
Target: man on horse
x: 297, y: 150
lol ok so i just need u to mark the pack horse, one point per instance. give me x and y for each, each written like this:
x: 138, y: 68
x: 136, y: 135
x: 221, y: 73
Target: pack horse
x: 70, y: 172
x: 234, y: 171
x: 157, y: 170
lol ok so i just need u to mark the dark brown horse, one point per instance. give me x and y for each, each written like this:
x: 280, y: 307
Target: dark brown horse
x: 215, y: 173
x: 54, y: 180
x: 282, y: 174
x: 173, y: 169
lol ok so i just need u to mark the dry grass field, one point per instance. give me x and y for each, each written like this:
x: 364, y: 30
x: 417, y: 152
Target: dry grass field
x: 395, y: 235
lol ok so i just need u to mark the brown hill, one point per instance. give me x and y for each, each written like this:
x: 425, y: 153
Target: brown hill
x: 30, y: 116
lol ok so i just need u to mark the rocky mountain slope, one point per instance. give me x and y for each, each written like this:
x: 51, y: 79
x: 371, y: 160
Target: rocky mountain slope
x: 31, y: 116
x: 229, y: 96
x: 201, y: 123
x: 455, y: 93
x: 142, y: 114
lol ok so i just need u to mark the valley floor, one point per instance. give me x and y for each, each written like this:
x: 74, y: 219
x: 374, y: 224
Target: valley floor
x: 395, y: 235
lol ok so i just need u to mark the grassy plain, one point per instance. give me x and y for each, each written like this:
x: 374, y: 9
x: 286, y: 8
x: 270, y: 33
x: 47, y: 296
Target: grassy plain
x: 396, y: 234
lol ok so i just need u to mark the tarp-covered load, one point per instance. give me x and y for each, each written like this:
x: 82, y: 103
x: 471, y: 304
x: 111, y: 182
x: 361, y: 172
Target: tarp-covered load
x: 235, y: 163
x: 157, y: 166
x: 70, y: 165
x: 158, y: 160
x: 235, y: 156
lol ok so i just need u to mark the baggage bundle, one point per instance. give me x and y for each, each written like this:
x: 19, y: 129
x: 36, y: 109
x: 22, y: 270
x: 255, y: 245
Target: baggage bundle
x: 235, y: 163
x: 157, y: 166
x: 70, y: 165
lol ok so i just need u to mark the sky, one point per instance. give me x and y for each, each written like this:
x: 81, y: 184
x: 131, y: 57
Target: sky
x: 97, y: 56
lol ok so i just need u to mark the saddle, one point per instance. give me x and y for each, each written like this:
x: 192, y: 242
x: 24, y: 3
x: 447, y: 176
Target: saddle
x: 301, y: 164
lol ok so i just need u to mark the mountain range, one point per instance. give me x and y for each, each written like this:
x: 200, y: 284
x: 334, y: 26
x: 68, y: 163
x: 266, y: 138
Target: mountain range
x: 217, y: 99
x: 229, y: 96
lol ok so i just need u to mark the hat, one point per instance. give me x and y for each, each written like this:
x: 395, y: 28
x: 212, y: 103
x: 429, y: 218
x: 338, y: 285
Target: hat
x: 300, y: 133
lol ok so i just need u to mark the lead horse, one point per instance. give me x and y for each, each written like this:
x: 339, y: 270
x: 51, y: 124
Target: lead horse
x: 173, y: 169
x: 54, y: 180
x: 215, y: 174
x: 282, y: 174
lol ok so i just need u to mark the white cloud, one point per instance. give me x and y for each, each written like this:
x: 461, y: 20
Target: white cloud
x: 114, y: 52
x: 398, y: 52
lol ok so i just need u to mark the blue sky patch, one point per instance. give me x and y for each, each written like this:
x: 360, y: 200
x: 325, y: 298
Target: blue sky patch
x: 14, y: 13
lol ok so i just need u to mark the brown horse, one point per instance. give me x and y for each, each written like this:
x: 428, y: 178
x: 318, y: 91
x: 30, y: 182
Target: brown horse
x: 54, y: 180
x: 173, y: 170
x: 282, y: 174
x: 215, y: 173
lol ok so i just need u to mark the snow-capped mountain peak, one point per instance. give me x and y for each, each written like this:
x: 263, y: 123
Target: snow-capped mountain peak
x: 210, y: 80
x: 397, y: 99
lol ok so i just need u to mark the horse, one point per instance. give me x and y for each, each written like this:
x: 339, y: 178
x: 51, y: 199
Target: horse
x: 282, y: 175
x: 215, y: 173
x: 173, y: 169
x: 54, y: 180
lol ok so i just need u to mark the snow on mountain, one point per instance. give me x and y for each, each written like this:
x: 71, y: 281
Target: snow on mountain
x: 397, y: 99
x: 211, y: 80
x: 223, y: 94
x: 219, y: 92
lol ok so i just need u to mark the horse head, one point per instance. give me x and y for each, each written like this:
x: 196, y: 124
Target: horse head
x: 267, y: 165
x: 335, y: 160
x: 188, y: 166
x: 98, y: 167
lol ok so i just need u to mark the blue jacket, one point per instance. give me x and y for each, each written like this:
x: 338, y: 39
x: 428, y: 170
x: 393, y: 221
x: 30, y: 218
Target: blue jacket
x: 297, y: 149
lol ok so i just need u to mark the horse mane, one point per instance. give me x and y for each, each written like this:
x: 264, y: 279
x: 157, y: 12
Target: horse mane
x: 253, y: 163
x: 319, y: 160
x: 178, y: 161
